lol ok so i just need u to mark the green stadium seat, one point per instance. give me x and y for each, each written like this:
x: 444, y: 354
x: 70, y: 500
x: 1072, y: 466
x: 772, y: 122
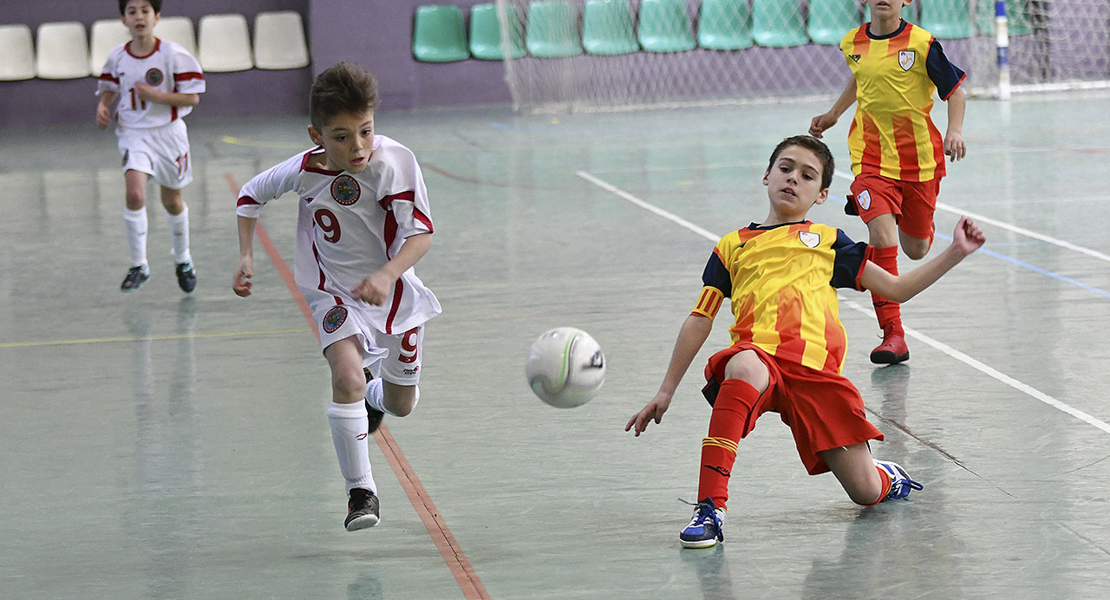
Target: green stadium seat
x: 778, y: 23
x: 552, y: 30
x: 829, y: 20
x: 665, y: 26
x: 607, y: 27
x: 946, y: 19
x: 485, y: 33
x: 724, y: 25
x: 438, y: 34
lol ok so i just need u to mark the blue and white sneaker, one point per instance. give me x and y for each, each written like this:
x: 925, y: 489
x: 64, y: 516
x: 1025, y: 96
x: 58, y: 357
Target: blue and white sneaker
x: 900, y: 482
x: 704, y: 529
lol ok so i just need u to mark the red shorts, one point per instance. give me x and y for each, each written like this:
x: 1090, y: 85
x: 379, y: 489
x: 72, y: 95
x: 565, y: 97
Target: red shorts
x: 911, y: 202
x: 823, y: 410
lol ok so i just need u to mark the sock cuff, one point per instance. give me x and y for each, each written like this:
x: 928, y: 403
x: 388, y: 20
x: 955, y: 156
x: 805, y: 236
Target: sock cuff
x: 355, y: 410
x: 885, y: 477
x: 179, y: 217
x: 134, y: 215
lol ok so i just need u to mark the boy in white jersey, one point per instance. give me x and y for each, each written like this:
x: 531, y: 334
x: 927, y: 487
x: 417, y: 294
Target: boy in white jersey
x: 363, y: 223
x: 157, y: 82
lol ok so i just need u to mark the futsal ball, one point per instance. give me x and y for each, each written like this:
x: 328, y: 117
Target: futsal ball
x: 565, y: 367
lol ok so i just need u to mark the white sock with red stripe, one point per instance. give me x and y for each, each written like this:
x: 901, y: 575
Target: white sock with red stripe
x: 348, y: 432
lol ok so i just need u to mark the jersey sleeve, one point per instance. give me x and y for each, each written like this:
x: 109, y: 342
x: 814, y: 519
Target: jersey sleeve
x: 404, y: 194
x: 108, y: 80
x: 188, y: 77
x: 945, y: 75
x: 716, y: 286
x: 850, y: 257
x: 268, y: 185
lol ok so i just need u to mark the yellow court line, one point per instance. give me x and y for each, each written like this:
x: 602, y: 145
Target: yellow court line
x: 151, y: 338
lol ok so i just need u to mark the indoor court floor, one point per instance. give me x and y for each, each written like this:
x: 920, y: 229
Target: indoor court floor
x: 163, y: 446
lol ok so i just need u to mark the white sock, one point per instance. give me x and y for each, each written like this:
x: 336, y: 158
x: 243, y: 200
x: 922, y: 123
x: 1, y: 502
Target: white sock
x: 136, y: 225
x: 179, y: 230
x: 375, y: 397
x: 348, y: 432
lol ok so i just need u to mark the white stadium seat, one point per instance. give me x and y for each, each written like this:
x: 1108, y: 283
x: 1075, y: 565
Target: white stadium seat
x: 279, y: 41
x: 224, y: 43
x: 105, y: 35
x: 17, y: 53
x: 63, y: 51
x: 178, y: 30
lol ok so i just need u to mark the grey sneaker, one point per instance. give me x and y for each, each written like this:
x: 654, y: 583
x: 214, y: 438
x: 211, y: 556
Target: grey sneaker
x: 186, y: 277
x: 362, y: 510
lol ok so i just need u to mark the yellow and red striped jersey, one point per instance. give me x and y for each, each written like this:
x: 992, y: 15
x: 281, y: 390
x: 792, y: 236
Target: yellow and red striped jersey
x: 892, y: 134
x: 781, y: 283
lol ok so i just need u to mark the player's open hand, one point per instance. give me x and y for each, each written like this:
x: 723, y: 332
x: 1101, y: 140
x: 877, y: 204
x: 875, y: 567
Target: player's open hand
x: 652, y: 412
x: 241, y: 284
x: 968, y: 236
x: 820, y: 123
x: 374, y: 289
x: 103, y: 116
x: 954, y: 146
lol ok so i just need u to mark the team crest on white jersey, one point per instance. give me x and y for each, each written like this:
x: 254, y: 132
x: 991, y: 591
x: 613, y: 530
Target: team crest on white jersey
x: 864, y: 199
x: 345, y: 190
x: 155, y: 77
x: 334, y: 319
x: 810, y: 239
x: 906, y: 58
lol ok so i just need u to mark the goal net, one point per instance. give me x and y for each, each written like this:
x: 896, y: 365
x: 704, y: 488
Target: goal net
x: 597, y: 55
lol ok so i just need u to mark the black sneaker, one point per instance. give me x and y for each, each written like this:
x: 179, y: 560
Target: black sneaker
x: 362, y: 510
x: 136, y: 276
x: 373, y: 415
x: 186, y: 277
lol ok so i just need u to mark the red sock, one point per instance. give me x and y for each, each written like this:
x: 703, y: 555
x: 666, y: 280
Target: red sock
x: 726, y: 427
x: 886, y: 485
x: 887, y: 311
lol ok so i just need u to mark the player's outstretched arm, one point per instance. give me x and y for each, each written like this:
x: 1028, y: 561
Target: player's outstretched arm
x: 695, y: 330
x: 954, y: 146
x: 967, y: 238
x: 241, y: 282
x: 820, y: 123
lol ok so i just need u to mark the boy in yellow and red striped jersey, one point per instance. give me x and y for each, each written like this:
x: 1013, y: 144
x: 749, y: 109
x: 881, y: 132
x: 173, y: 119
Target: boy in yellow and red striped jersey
x: 897, y: 152
x: 788, y: 344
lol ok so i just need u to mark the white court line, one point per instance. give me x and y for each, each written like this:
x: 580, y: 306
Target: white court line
x: 946, y: 349
x: 1008, y: 227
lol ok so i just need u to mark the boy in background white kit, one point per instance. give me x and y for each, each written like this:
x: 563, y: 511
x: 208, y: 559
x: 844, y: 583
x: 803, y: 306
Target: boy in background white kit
x: 363, y: 222
x: 157, y: 83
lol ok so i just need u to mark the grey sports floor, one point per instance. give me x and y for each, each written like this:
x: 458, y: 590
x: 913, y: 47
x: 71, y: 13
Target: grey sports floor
x: 159, y: 446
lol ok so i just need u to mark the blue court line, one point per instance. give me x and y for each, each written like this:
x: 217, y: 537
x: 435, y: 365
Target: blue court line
x: 1021, y: 263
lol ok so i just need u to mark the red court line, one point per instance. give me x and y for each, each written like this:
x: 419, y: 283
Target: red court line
x: 452, y: 554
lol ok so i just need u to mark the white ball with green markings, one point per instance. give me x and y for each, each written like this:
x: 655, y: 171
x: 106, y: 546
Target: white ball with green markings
x: 565, y: 367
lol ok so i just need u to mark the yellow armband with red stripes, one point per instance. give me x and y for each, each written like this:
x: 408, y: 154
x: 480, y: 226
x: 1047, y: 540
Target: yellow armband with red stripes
x: 709, y: 302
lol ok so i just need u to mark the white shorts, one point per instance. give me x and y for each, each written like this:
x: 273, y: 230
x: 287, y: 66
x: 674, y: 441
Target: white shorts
x: 160, y: 152
x: 394, y: 358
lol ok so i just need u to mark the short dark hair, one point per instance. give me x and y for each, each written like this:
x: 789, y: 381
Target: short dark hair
x: 813, y: 145
x: 344, y: 88
x: 155, y: 4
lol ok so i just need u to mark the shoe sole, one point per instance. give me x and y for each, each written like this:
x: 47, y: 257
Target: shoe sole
x: 363, y: 522
x: 134, y: 289
x: 888, y: 358
x: 699, y: 543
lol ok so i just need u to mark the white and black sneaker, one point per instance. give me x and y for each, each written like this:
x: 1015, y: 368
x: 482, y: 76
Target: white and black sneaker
x: 362, y: 510
x: 136, y: 276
